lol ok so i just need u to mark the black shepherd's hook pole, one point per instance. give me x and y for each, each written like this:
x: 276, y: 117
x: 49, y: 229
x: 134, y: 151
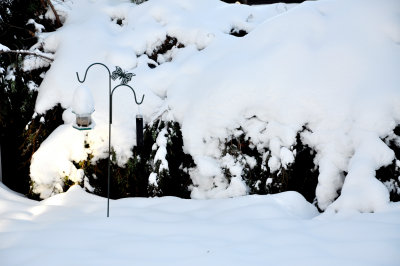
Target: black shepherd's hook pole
x: 125, y: 78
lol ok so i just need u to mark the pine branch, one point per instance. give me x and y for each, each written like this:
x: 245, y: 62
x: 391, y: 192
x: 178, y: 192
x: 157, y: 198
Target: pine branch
x: 27, y: 53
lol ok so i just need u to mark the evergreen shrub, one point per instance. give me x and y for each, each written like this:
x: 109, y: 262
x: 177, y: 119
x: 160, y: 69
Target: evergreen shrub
x: 133, y: 178
x: 300, y: 176
x: 21, y: 132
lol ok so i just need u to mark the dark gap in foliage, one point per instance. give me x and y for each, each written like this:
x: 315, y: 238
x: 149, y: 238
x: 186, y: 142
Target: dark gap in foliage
x: 152, y: 65
x: 304, y: 178
x: 263, y: 2
x: 118, y: 21
x: 396, y: 131
x: 390, y: 175
x: 238, y: 32
x: 168, y: 44
x: 138, y: 2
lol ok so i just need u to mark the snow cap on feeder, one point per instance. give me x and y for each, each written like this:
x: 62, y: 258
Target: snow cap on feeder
x: 83, y: 107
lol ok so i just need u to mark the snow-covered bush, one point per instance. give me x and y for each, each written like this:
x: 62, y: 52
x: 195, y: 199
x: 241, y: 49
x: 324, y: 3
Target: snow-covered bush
x: 329, y: 66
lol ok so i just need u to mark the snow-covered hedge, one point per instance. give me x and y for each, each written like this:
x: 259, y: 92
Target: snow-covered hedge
x: 321, y: 73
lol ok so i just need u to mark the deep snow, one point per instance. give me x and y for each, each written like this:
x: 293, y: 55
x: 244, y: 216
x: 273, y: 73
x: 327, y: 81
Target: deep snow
x: 330, y: 65
x: 281, y: 229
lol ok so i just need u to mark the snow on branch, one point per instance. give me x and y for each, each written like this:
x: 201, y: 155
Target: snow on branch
x: 58, y: 21
x: 4, y: 48
x: 38, y: 54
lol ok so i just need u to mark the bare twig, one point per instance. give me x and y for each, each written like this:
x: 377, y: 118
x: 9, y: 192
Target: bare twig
x: 27, y: 53
x: 58, y: 21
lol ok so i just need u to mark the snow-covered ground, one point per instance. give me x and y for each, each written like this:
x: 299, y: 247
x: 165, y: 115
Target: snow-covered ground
x: 281, y: 229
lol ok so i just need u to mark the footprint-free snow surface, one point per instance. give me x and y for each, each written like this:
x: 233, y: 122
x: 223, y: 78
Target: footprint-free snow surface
x: 282, y: 229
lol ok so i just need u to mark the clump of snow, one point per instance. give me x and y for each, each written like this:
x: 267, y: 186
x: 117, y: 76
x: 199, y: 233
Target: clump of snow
x: 4, y: 48
x: 32, y: 85
x: 10, y: 74
x: 161, y: 153
x: 153, y: 179
x: 330, y: 66
x: 38, y: 27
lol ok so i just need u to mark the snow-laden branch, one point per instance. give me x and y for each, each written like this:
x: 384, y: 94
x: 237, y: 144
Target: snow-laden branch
x: 58, y: 21
x: 38, y: 54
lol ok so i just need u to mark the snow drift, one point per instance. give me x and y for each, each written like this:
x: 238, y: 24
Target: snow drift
x: 281, y: 229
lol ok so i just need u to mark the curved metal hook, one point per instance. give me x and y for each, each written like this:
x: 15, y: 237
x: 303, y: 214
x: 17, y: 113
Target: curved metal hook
x: 134, y: 93
x: 87, y: 69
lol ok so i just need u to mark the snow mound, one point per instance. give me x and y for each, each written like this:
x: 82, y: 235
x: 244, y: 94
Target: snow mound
x: 329, y: 65
x: 75, y: 196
